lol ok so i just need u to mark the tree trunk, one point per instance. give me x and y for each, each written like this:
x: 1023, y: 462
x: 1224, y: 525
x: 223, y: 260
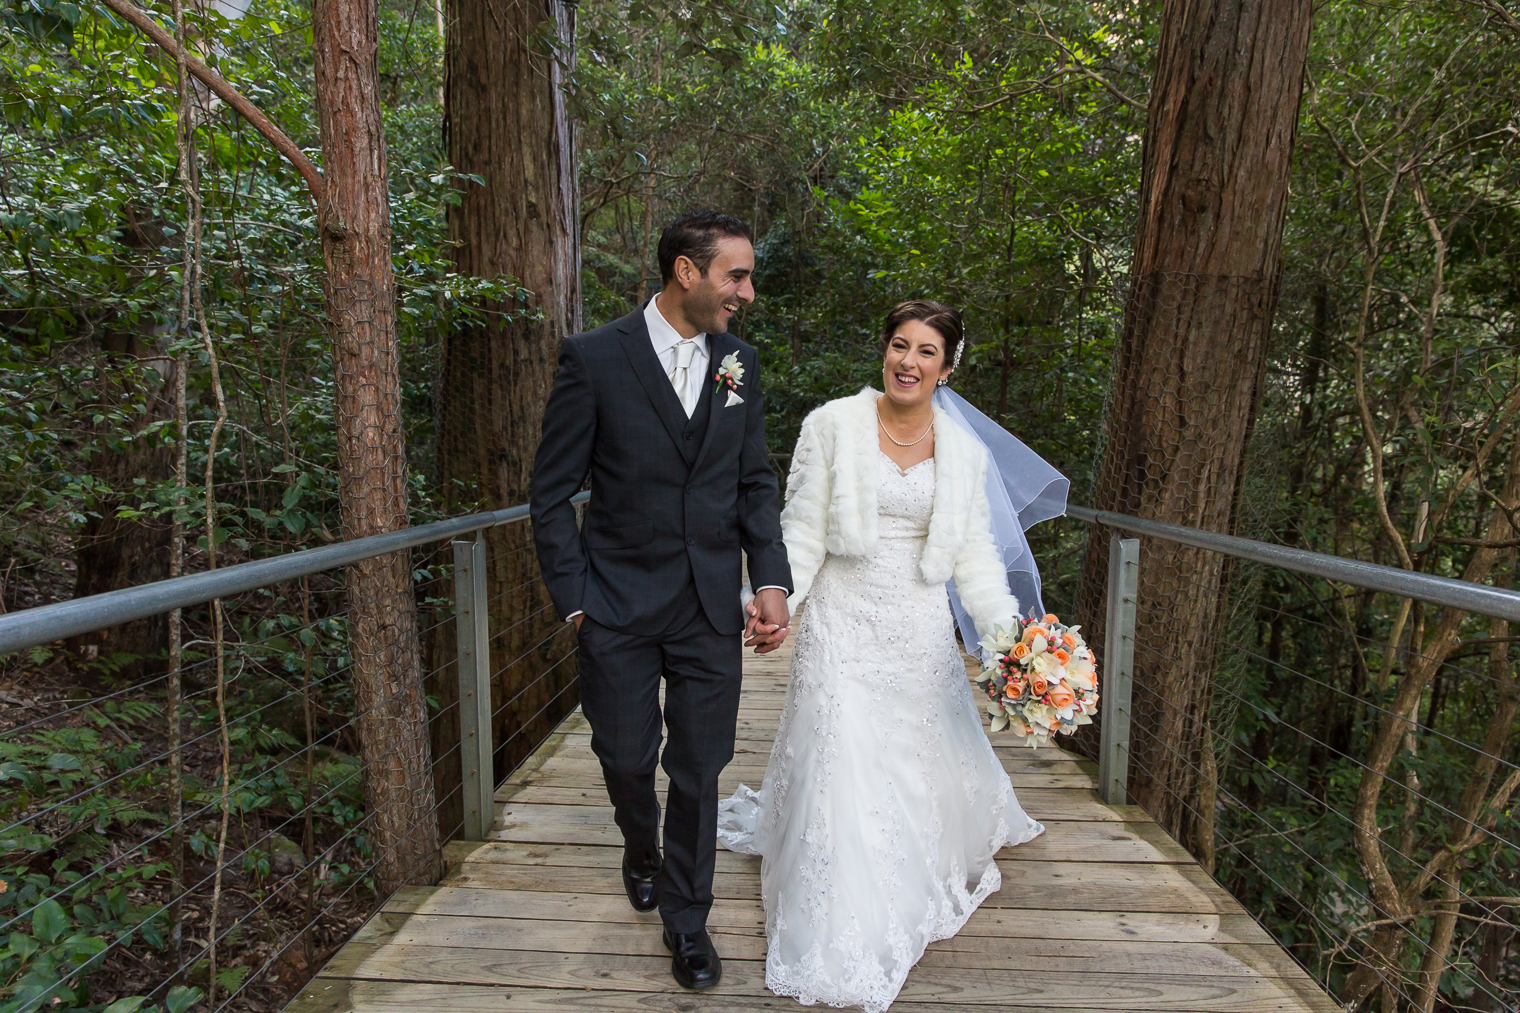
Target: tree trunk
x: 1204, y: 283
x: 354, y: 220
x: 112, y: 552
x: 506, y: 121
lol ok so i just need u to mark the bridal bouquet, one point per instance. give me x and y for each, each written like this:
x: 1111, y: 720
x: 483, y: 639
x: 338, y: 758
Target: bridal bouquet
x: 1041, y: 680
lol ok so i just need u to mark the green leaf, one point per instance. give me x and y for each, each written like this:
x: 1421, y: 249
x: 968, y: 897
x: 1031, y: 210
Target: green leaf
x: 23, y: 945
x: 63, y: 761
x: 181, y: 998
x: 49, y: 921
x: 727, y: 58
x: 82, y: 947
x: 36, y: 987
x: 128, y: 1005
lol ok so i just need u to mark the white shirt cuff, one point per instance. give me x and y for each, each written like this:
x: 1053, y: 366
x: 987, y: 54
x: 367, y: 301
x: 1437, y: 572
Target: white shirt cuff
x: 571, y: 617
x: 771, y: 587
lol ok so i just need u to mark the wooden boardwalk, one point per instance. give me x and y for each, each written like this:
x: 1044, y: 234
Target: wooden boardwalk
x: 1102, y: 912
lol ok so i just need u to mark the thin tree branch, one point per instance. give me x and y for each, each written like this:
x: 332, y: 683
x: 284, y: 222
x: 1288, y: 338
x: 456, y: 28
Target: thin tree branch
x: 140, y: 20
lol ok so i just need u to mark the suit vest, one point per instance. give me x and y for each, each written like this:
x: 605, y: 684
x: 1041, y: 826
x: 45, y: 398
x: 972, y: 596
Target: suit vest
x: 696, y: 426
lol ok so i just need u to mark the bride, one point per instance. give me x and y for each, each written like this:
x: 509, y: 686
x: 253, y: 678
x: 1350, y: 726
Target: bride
x: 883, y: 804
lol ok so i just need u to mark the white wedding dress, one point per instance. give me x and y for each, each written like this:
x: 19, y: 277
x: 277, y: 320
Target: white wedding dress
x: 883, y: 803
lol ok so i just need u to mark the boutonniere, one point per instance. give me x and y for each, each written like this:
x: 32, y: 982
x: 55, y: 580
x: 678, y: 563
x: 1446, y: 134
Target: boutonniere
x: 731, y: 373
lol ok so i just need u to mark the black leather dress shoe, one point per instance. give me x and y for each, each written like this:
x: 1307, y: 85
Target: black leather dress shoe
x: 643, y: 886
x: 694, y: 962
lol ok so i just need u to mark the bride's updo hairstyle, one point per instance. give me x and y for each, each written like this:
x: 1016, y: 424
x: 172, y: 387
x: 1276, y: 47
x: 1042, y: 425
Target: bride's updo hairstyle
x: 944, y: 319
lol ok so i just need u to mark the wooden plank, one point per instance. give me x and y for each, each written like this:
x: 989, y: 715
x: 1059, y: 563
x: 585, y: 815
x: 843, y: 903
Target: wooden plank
x: 1073, y: 840
x: 1053, y: 885
x: 343, y: 995
x: 738, y: 914
x: 1074, y: 956
x: 1054, y: 986
x: 1020, y: 758
x: 588, y: 770
x: 1041, y: 803
x: 1103, y: 912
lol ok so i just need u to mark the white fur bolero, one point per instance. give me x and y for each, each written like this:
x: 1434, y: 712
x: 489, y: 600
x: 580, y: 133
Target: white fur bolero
x: 831, y: 506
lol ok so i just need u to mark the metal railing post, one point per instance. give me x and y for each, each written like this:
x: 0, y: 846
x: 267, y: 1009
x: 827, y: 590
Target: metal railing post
x: 472, y: 625
x: 1119, y: 665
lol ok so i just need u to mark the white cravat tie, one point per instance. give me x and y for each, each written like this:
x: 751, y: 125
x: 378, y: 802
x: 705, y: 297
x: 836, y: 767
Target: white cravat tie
x: 680, y: 376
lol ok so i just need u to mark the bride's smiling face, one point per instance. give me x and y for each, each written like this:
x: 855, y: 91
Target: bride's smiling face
x: 914, y: 363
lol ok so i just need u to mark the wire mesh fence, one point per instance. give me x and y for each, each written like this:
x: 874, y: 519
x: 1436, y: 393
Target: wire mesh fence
x: 231, y: 893
x: 1391, y: 874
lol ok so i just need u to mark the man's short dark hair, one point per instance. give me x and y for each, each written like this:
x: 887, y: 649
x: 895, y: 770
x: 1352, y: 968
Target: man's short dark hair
x: 694, y: 235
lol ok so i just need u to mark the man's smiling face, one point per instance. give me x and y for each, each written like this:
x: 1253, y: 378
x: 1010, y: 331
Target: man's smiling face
x: 715, y: 297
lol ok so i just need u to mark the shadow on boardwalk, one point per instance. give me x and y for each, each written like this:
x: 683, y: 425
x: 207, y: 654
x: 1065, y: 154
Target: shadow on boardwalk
x: 1102, y: 912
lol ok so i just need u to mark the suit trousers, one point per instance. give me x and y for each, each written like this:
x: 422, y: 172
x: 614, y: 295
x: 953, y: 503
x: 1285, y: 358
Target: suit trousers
x: 620, y: 677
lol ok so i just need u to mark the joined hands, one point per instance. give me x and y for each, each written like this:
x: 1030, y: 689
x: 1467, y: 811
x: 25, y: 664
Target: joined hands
x: 769, y: 622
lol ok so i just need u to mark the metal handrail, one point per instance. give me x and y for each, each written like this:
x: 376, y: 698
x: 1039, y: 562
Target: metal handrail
x: 1458, y: 594
x: 46, y: 623
x: 1123, y: 633
x: 1123, y: 584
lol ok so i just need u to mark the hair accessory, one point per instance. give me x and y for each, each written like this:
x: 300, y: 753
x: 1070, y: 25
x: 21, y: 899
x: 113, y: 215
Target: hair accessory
x: 954, y: 365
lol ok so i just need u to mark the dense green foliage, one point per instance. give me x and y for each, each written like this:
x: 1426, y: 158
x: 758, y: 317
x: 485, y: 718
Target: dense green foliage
x: 983, y: 153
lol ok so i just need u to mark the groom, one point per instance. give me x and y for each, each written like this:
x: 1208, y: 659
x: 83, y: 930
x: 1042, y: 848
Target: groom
x: 662, y: 409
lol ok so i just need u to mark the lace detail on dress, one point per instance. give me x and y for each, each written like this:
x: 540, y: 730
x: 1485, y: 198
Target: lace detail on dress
x: 883, y: 804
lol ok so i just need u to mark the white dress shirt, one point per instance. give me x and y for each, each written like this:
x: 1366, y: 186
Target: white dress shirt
x: 664, y: 339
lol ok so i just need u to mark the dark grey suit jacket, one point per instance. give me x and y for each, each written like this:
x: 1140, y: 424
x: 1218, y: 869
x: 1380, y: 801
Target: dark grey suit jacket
x: 672, y: 500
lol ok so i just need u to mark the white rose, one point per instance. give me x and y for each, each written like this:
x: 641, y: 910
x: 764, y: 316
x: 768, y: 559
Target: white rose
x: 1081, y: 674
x: 1039, y: 714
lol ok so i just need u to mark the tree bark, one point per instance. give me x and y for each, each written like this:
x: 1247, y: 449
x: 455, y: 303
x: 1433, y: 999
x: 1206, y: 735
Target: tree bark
x: 1204, y: 282
x: 353, y: 217
x: 507, y: 121
x: 112, y: 552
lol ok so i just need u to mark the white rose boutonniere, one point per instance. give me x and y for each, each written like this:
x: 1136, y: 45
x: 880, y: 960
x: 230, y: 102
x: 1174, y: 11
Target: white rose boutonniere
x: 731, y: 374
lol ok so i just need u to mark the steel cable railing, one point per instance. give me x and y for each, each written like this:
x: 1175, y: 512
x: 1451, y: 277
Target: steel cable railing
x: 1402, y: 925
x: 249, y: 847
x: 1403, y: 652
x: 293, y: 773
x: 1308, y: 910
x: 1283, y: 795
x: 1373, y: 705
x: 1349, y: 887
x: 1305, y: 793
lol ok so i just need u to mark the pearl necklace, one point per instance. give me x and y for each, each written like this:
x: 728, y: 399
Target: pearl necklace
x: 894, y: 439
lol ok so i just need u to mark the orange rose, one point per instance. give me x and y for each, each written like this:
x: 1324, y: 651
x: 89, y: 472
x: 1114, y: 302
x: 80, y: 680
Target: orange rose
x: 1062, y: 656
x: 1030, y: 632
x: 1061, y: 697
x: 1015, y: 689
x: 1050, y: 618
x: 1020, y: 651
x: 1069, y: 640
x: 1039, y: 685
